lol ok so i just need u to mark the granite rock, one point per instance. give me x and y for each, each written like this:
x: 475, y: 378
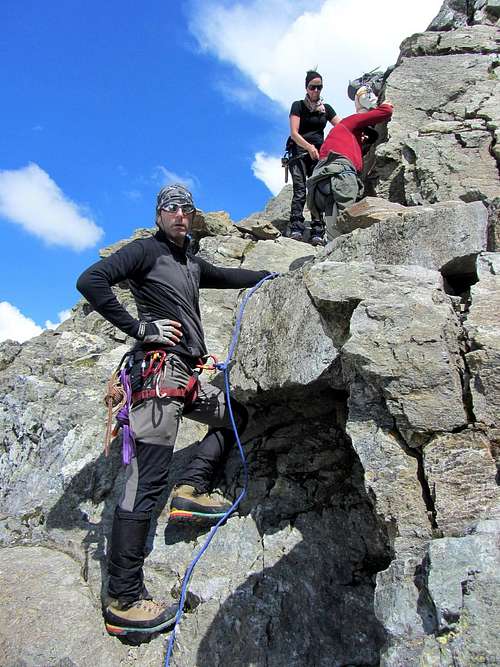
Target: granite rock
x: 460, y: 470
x: 369, y: 532
x: 446, y: 98
x: 482, y: 328
x: 446, y: 236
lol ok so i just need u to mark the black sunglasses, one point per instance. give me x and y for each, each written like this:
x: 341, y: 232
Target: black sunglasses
x: 319, y: 86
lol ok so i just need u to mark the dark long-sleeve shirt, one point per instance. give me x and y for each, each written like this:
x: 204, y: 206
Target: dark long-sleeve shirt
x: 165, y: 281
x: 345, y: 138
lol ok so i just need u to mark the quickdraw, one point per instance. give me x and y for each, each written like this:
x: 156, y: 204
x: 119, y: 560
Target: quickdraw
x: 206, y: 366
x: 153, y: 363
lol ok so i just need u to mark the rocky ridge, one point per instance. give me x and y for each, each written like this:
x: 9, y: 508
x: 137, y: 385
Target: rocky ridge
x: 444, y: 136
x: 370, y: 531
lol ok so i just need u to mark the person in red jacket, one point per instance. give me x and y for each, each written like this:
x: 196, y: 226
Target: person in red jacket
x: 334, y: 184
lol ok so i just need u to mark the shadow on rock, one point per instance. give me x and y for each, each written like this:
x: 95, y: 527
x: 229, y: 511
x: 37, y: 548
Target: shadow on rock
x: 311, y: 603
x: 99, y: 482
x: 95, y: 482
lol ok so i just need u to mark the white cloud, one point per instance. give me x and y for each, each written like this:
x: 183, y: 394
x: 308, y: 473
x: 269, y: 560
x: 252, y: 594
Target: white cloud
x: 163, y: 176
x: 343, y: 38
x: 62, y: 315
x: 30, y: 198
x: 15, y: 325
x: 268, y: 169
x: 274, y: 42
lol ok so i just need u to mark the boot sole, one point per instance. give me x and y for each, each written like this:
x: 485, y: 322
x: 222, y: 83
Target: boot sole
x: 185, y: 515
x: 123, y: 631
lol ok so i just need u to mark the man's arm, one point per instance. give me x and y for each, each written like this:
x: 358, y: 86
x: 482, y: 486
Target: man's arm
x: 217, y: 277
x: 359, y: 120
x: 95, y: 285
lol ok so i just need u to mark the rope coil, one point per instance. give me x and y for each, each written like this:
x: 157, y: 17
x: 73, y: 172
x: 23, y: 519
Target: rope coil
x: 114, y: 399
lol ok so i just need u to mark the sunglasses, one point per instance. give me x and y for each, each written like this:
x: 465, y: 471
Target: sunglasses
x: 319, y: 86
x: 173, y: 208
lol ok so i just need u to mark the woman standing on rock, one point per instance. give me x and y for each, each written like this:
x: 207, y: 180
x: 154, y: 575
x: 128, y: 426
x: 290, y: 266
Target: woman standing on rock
x: 308, y: 118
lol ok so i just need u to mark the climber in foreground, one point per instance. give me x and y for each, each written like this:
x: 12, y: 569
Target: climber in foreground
x: 335, y: 184
x: 164, y: 277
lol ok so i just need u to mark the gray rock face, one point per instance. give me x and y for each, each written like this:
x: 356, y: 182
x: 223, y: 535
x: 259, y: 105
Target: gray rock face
x: 367, y: 212
x: 460, y: 469
x: 453, y: 14
x: 52, y: 601
x: 212, y: 224
x: 446, y: 95
x: 276, y: 212
x: 482, y: 328
x: 452, y: 562
x: 494, y: 225
x: 424, y: 317
x: 369, y: 532
x: 446, y: 236
x: 258, y: 228
x: 271, y: 362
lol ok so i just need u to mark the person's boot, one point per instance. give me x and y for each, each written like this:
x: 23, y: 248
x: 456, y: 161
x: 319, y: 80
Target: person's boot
x: 317, y: 233
x: 188, y: 504
x: 142, y: 616
x: 296, y: 231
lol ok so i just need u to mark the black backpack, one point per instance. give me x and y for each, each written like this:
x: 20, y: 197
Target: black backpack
x: 373, y: 80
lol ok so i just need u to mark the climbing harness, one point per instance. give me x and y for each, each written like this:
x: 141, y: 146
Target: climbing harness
x: 224, y: 367
x: 154, y: 365
x: 119, y: 397
x: 290, y: 156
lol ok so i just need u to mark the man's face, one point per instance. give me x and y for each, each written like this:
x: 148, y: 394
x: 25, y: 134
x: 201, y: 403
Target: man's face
x: 175, y: 221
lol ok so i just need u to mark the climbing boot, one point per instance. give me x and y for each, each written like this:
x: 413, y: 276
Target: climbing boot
x: 297, y: 235
x: 296, y: 231
x: 317, y: 240
x: 142, y: 616
x: 317, y: 233
x: 188, y: 504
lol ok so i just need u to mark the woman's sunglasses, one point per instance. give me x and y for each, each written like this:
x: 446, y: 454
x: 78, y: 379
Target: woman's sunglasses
x: 315, y: 87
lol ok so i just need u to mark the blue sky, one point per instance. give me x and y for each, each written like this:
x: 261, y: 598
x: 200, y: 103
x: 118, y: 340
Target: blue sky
x: 104, y: 102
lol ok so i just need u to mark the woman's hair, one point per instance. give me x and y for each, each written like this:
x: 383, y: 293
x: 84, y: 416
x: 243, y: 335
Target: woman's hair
x: 312, y: 74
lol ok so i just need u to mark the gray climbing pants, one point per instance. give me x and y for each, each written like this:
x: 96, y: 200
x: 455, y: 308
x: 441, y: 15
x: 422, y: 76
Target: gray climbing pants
x: 332, y: 188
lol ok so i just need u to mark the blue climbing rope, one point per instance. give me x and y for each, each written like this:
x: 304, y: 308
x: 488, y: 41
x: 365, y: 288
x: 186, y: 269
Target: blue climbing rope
x: 224, y: 367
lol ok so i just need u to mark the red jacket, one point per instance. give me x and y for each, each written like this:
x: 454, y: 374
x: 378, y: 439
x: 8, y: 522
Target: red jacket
x: 345, y: 138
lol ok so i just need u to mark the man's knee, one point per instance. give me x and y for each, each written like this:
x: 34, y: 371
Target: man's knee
x: 240, y: 416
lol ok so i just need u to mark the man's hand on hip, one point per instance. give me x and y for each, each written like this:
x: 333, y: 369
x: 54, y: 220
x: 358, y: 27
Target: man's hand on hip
x: 165, y: 332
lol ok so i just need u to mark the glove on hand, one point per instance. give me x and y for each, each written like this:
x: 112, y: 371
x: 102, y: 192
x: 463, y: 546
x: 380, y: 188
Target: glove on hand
x: 165, y: 332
